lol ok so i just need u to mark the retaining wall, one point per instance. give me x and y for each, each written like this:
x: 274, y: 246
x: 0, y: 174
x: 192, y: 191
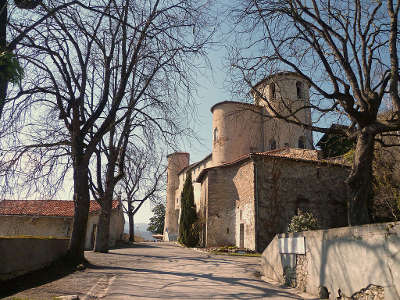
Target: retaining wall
x: 20, y: 255
x: 362, y: 262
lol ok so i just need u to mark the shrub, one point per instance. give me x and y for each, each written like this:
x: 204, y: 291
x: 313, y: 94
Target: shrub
x: 302, y: 222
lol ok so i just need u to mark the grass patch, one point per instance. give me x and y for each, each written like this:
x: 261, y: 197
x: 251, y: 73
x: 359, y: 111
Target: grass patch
x: 236, y: 254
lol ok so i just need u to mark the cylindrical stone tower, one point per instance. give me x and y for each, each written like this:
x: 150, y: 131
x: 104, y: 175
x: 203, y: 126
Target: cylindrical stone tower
x: 176, y: 162
x: 237, y: 130
x: 285, y: 93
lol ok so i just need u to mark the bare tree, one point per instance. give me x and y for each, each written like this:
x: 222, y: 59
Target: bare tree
x: 147, y: 123
x: 82, y: 64
x: 144, y: 181
x: 9, y: 46
x: 346, y: 51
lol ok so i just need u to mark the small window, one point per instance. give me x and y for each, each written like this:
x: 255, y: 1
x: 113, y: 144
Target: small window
x: 227, y: 230
x: 300, y: 90
x: 272, y: 90
x: 302, y: 142
x: 215, y: 134
x: 272, y: 144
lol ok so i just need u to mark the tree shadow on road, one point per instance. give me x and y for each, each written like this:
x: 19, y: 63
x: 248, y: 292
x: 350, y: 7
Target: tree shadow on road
x: 55, y: 271
x: 123, y: 245
x: 246, y: 282
x: 209, y: 259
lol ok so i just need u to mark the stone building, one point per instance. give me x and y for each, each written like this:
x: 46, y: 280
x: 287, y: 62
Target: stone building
x: 260, y: 173
x: 54, y: 218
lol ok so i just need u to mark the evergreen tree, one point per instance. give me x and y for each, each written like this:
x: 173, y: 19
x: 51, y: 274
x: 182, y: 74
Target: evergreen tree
x: 188, y: 233
x: 156, y: 224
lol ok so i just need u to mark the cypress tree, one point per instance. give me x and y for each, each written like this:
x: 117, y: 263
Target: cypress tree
x: 188, y: 233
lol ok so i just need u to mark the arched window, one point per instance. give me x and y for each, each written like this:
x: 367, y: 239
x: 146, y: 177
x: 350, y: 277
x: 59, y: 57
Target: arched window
x: 300, y: 90
x: 302, y: 142
x: 272, y: 144
x: 215, y: 134
x: 272, y: 91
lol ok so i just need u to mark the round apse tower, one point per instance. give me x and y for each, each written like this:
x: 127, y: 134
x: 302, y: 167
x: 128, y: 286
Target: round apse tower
x: 176, y: 162
x: 237, y: 130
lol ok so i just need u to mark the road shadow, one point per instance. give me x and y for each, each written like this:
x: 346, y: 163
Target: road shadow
x: 55, y: 271
x: 246, y: 282
x: 124, y: 245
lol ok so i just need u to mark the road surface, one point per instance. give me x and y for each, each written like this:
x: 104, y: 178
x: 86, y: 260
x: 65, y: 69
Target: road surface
x: 163, y: 271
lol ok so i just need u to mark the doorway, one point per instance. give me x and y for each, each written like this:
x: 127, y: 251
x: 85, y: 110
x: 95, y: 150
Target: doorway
x: 241, y: 243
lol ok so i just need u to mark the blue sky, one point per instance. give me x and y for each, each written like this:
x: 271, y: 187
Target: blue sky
x: 209, y: 92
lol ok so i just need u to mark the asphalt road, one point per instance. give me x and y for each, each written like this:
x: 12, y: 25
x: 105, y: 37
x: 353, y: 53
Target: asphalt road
x: 163, y: 271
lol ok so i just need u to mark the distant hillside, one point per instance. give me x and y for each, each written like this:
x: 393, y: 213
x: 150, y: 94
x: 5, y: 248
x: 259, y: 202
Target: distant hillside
x: 141, y: 230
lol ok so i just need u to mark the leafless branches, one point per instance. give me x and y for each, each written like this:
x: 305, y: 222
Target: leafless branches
x: 95, y: 72
x: 345, y: 50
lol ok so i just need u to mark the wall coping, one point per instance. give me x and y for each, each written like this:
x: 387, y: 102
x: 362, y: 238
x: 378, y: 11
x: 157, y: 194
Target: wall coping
x: 37, y: 237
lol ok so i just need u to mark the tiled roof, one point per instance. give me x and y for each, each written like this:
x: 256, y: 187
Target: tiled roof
x: 193, y: 165
x: 249, y: 105
x: 284, y: 73
x: 58, y: 208
x: 292, y: 154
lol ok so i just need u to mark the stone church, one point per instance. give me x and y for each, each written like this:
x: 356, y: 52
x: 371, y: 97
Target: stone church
x: 260, y: 173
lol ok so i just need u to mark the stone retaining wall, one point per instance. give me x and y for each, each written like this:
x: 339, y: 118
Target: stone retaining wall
x: 20, y: 255
x: 361, y: 262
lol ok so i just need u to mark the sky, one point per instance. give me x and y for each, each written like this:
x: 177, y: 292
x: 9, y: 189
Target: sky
x: 211, y: 90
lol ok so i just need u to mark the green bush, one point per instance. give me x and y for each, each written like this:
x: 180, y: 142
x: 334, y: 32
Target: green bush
x: 156, y: 224
x: 302, y: 222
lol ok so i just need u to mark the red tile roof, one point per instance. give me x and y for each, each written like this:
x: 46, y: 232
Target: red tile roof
x: 58, y: 208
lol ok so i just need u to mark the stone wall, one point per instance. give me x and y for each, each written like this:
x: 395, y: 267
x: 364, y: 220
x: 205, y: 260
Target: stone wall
x: 360, y: 262
x: 226, y: 185
x: 23, y: 255
x: 116, y: 229
x: 285, y: 186
x: 202, y: 212
x: 59, y: 227
x: 245, y: 210
x: 195, y: 171
x: 33, y: 225
x: 237, y: 130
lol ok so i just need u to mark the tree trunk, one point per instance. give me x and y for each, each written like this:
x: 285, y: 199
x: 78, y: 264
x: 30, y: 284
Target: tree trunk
x: 360, y: 180
x: 81, y: 200
x: 131, y: 226
x: 3, y: 45
x: 103, y: 227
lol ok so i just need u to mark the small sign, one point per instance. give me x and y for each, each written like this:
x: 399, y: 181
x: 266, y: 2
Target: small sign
x: 292, y: 245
